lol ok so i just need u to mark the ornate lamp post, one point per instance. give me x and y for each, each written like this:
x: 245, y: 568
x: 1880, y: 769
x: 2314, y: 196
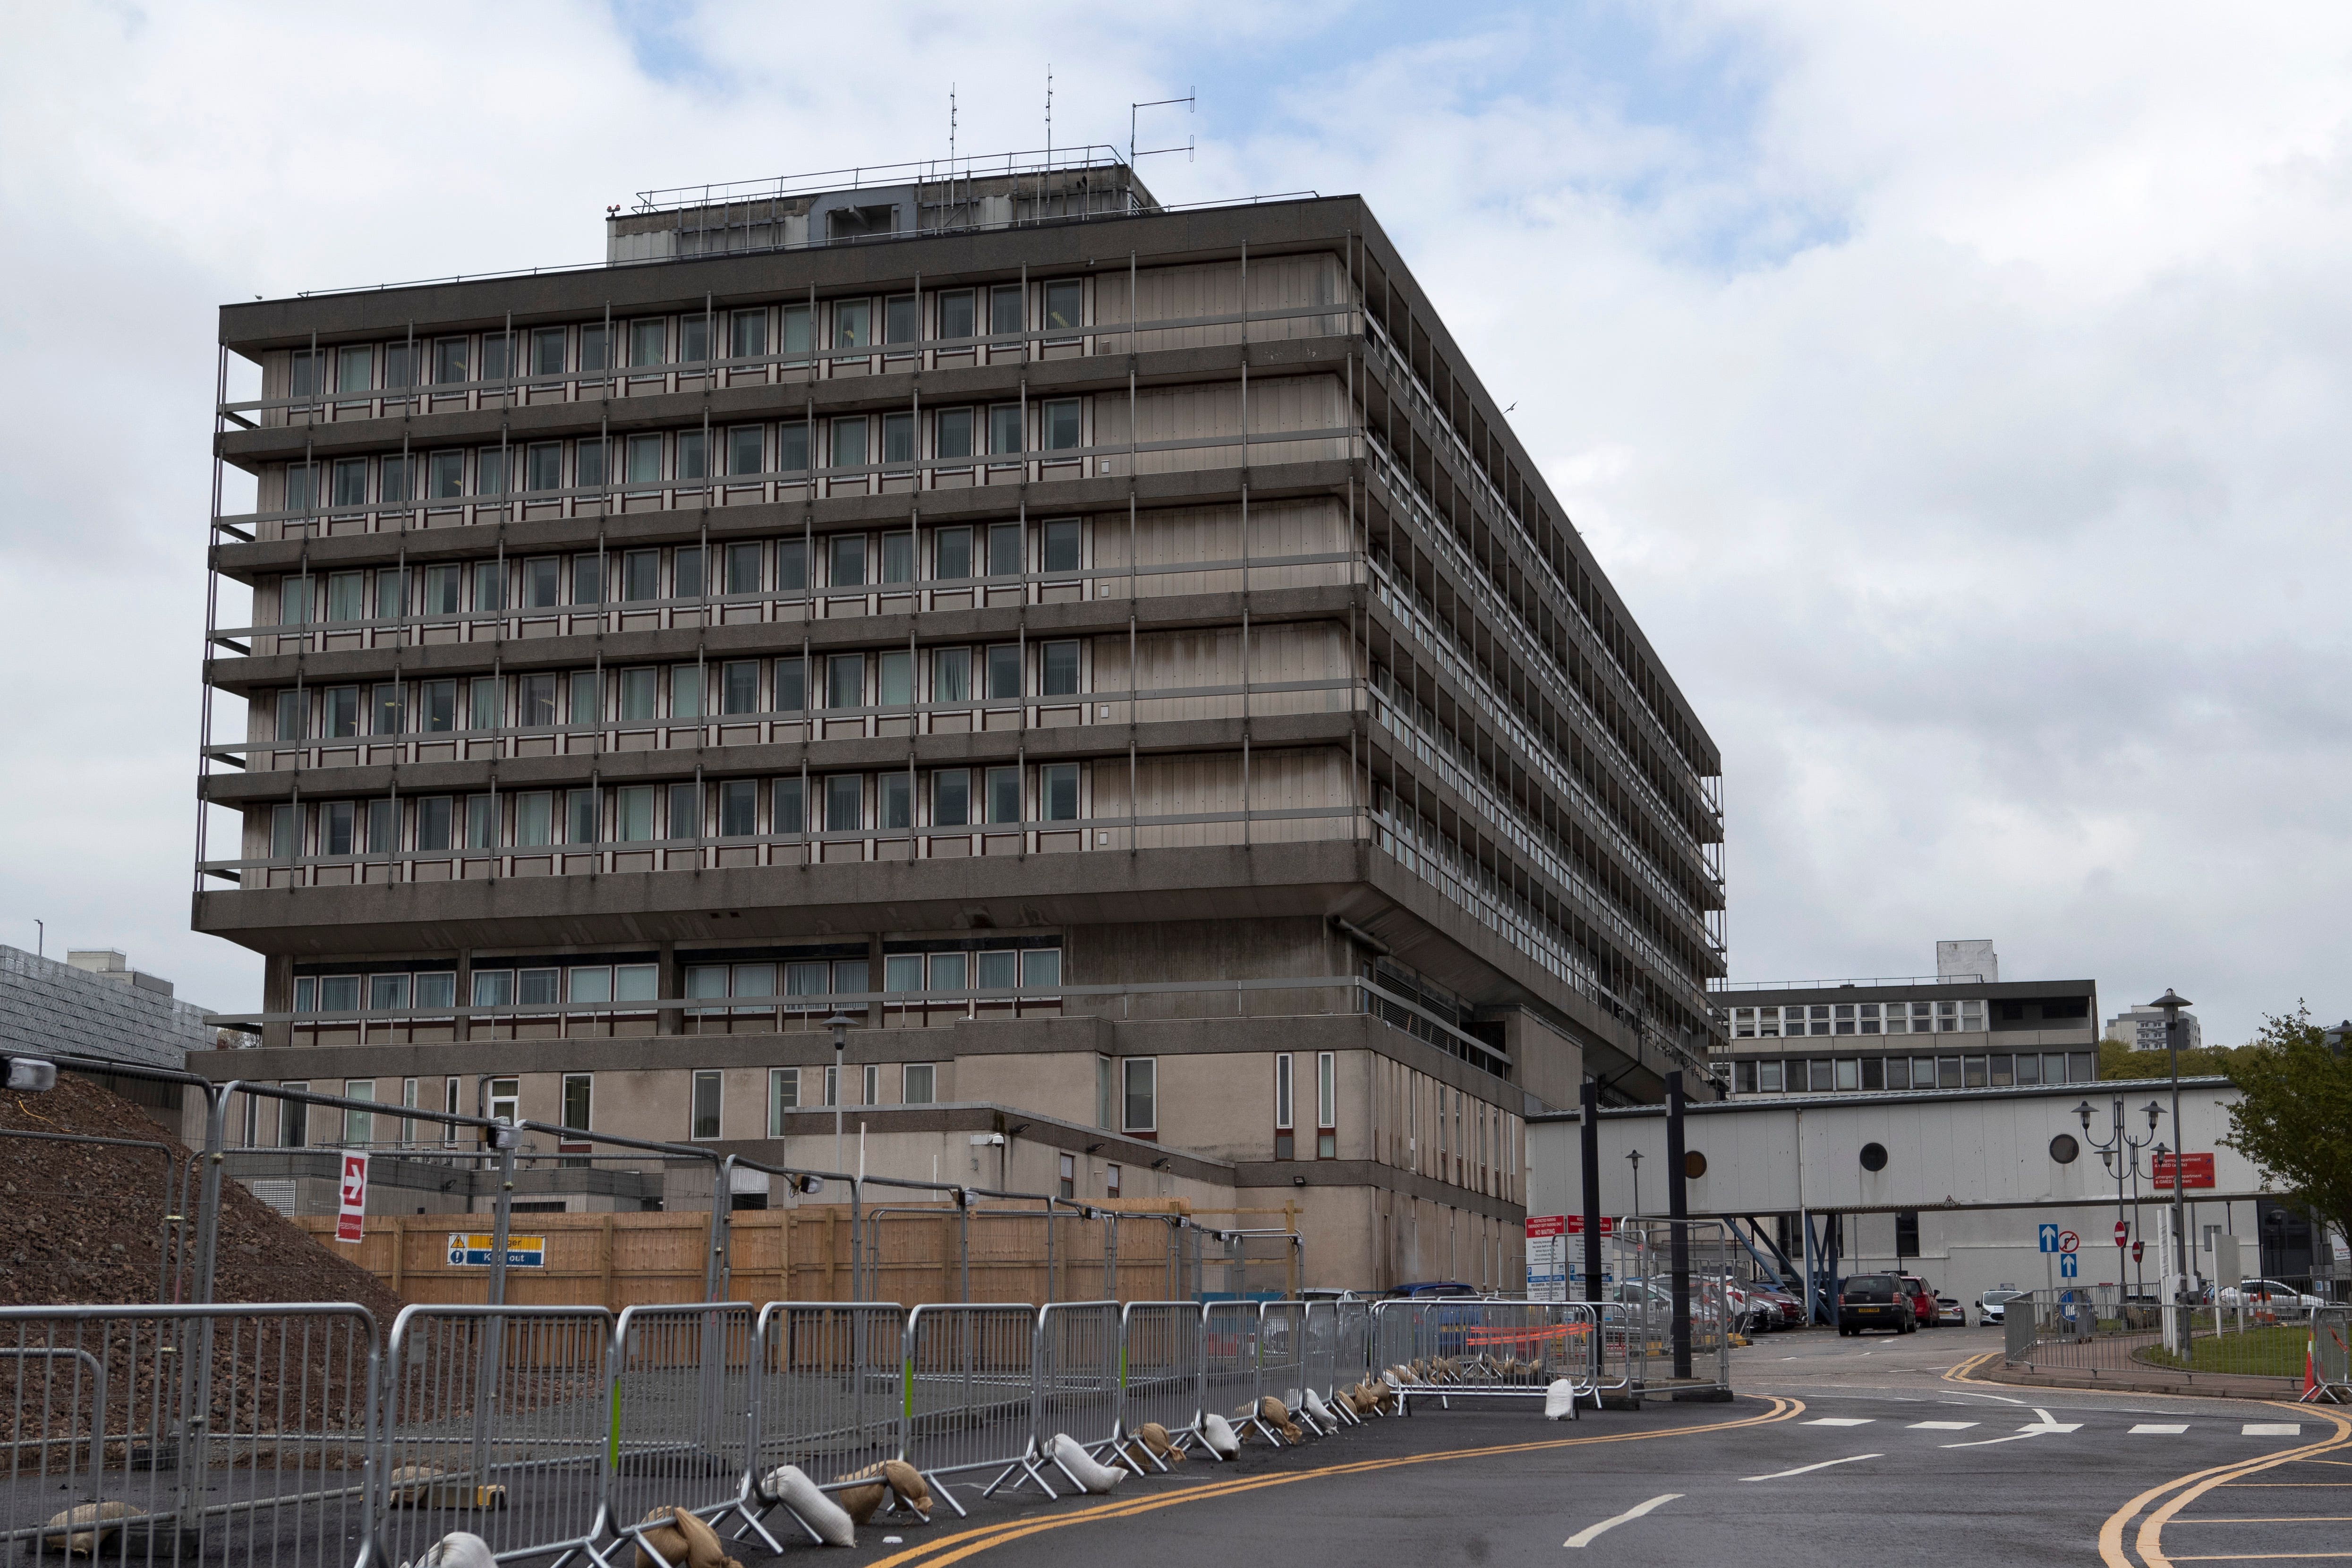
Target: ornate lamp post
x: 2120, y: 1152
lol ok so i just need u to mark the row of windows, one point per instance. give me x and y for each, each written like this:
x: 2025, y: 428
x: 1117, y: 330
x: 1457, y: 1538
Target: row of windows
x: 657, y: 458
x: 1827, y: 1074
x: 1326, y: 1107
x: 626, y: 814
x: 637, y: 576
x: 647, y: 343
x: 1857, y: 1018
x: 551, y: 984
x: 746, y: 688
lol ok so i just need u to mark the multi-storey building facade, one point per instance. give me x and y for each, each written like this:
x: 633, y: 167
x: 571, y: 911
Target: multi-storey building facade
x: 1121, y: 658
x: 1945, y: 1033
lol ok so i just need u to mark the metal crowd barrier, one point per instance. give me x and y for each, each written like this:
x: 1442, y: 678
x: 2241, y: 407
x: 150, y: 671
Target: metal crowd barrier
x: 1321, y: 1355
x: 1078, y: 1391
x: 497, y: 1421
x: 1160, y: 1370
x: 681, y: 1412
x: 1489, y: 1349
x: 1282, y: 1351
x: 2331, y: 1356
x: 179, y: 1431
x: 969, y: 1393
x: 1229, y: 1363
x: 829, y: 1394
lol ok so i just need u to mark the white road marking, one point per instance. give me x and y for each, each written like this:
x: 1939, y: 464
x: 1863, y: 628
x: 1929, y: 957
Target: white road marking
x: 2053, y: 1427
x: 1941, y: 1425
x: 1800, y: 1470
x: 2159, y: 1429
x: 1585, y: 1537
x: 1971, y: 1393
x: 2271, y: 1429
x: 1841, y: 1421
x: 2022, y: 1434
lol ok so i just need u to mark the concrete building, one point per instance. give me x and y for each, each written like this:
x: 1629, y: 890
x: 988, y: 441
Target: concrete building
x: 2142, y: 1028
x: 1862, y: 1035
x: 1123, y: 658
x: 1951, y: 1185
x: 95, y: 1004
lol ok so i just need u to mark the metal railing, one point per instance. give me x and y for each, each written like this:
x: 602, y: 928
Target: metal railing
x: 1485, y: 1348
x: 2103, y: 1331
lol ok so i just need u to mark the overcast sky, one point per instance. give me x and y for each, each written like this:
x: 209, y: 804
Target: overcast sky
x: 1958, y: 394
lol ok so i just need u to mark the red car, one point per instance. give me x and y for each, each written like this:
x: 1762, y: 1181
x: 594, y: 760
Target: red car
x: 1923, y: 1305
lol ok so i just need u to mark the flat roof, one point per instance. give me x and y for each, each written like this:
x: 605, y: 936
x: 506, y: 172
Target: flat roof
x: 2124, y: 1086
x: 1751, y: 994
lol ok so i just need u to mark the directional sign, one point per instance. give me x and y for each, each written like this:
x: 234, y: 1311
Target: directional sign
x: 2123, y: 1232
x: 2067, y: 1265
x: 2049, y: 1238
x: 475, y: 1251
x: 2068, y: 1241
x: 351, y: 1213
x: 2196, y: 1171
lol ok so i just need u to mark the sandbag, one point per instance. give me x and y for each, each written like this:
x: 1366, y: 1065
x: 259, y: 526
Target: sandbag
x: 1080, y: 1464
x: 683, y: 1539
x: 1560, y: 1400
x: 1320, y: 1411
x: 860, y: 1503
x: 1154, y: 1437
x: 789, y: 1485
x: 84, y: 1527
x: 1272, y: 1413
x: 1218, y: 1436
x: 456, y: 1550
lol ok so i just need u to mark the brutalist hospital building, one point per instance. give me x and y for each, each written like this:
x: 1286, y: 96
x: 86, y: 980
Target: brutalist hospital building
x: 1119, y: 658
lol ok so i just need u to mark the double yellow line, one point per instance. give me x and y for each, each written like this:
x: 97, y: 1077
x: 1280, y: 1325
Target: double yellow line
x: 965, y: 1543
x: 2148, y: 1540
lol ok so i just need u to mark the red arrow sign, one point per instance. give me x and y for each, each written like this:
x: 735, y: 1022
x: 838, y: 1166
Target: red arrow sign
x: 2123, y: 1233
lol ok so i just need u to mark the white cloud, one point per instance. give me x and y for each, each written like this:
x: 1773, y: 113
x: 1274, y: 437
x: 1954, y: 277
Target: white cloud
x: 1954, y: 394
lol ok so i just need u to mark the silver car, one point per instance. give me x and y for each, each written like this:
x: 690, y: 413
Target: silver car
x: 1991, y: 1305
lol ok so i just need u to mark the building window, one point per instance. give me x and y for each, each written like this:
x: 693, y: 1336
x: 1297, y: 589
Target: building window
x: 951, y: 675
x: 1004, y: 796
x: 707, y: 1091
x: 958, y: 316
x: 1140, y: 1096
x: 1849, y: 1072
x: 1106, y: 1090
x: 789, y: 809
x: 1065, y: 304
x: 1004, y: 312
x: 918, y: 1084
x: 579, y: 1104
x: 784, y: 1096
x: 506, y: 1101
x: 1327, y: 1106
x: 1068, y: 1178
x: 1110, y: 1182
x: 1058, y: 664
x: 1058, y: 425
x: 359, y: 1126
x: 1005, y: 429
x: 1003, y: 668
x: 1283, y: 1146
x: 294, y: 1118
x: 1058, y: 787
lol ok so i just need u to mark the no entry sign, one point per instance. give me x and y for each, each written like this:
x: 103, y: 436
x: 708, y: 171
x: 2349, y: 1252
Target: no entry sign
x: 2123, y: 1233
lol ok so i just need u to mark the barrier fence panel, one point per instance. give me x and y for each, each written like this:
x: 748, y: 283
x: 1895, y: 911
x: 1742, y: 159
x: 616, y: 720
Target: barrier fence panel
x: 1229, y: 1363
x: 681, y: 1411
x: 1160, y: 1369
x: 1354, y: 1363
x: 2331, y: 1357
x: 496, y: 1421
x: 1077, y: 1376
x: 1321, y: 1351
x: 1282, y: 1351
x: 1647, y: 1257
x: 179, y: 1431
x: 968, y: 1392
x: 2097, y: 1329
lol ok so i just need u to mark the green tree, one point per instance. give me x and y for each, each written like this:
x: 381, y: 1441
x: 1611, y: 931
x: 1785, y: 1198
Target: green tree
x: 2293, y: 1115
x: 2119, y: 1060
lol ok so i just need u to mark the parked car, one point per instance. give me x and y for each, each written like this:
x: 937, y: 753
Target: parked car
x: 2267, y: 1293
x: 1787, y: 1311
x: 1432, y: 1287
x: 1923, y: 1307
x: 1993, y: 1306
x: 1949, y: 1309
x: 1874, y: 1301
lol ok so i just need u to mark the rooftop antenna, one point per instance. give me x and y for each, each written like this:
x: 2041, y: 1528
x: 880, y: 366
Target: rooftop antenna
x: 1049, y: 114
x: 1135, y: 109
x: 951, y: 127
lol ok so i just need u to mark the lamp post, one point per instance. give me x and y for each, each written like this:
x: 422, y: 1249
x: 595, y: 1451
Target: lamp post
x: 839, y: 1024
x: 2172, y: 1004
x: 1634, y: 1156
x: 2120, y: 1152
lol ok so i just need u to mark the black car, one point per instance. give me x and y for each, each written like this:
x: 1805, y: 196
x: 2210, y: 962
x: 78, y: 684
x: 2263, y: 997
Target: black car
x: 1874, y: 1301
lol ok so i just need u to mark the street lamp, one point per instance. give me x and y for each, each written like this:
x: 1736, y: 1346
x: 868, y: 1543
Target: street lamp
x: 2172, y: 1004
x: 2120, y: 1152
x: 1634, y: 1157
x: 839, y: 1024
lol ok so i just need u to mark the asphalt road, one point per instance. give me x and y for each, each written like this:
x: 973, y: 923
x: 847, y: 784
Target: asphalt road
x: 1836, y: 1451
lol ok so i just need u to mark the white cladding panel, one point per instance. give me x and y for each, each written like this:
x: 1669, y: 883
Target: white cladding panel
x: 1987, y: 1150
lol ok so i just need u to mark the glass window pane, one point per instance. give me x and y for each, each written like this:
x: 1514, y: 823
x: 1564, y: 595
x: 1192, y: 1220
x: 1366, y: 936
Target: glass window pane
x: 789, y: 811
x: 1004, y: 672
x: 1005, y: 428
x: 432, y: 821
x: 645, y: 460
x: 1005, y: 553
x: 739, y: 686
x: 1004, y: 795
x: 684, y: 811
x: 746, y: 445
x: 951, y: 797
x: 1058, y: 671
x: 791, y: 685
x: 895, y: 680
x: 920, y: 1080
x: 951, y: 433
x: 588, y: 466
x: 1142, y: 1078
x: 638, y: 694
x: 952, y: 555
x: 649, y: 342
x: 636, y: 983
x: 686, y: 691
x: 844, y: 803
x: 1058, y: 421
x: 640, y: 576
x: 996, y: 971
x: 581, y: 824
x: 596, y: 347
x: 951, y: 675
x: 1058, y: 786
x: 738, y: 807
x: 845, y: 561
x: 849, y: 443
x: 894, y: 801
x: 845, y: 681
x: 853, y: 324
x: 897, y: 438
x: 898, y: 558
x: 793, y: 449
x: 902, y: 972
x: 1041, y: 968
x: 898, y: 319
x: 1065, y: 303
x: 1004, y: 309
x: 633, y: 814
x: 950, y: 971
x: 957, y: 314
